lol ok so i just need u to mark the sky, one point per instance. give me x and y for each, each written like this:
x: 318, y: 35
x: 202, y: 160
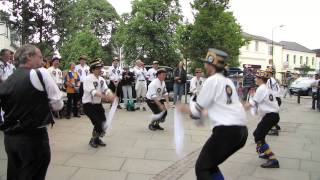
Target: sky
x: 261, y: 17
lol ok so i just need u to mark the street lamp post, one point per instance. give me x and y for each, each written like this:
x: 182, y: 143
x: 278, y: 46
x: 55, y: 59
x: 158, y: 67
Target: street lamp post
x: 280, y: 26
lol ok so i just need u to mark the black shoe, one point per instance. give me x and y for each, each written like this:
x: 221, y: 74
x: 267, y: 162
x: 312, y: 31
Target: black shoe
x: 157, y: 126
x: 144, y: 109
x: 77, y: 116
x: 272, y: 163
x: 93, y: 143
x: 68, y: 117
x: 278, y: 127
x: 273, y: 132
x: 152, y: 127
x: 138, y: 108
x: 100, y: 142
x: 119, y: 107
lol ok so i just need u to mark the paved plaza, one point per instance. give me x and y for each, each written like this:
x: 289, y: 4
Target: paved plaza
x: 135, y: 153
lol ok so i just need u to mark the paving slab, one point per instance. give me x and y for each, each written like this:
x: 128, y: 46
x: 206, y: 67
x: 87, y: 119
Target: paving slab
x: 95, y: 174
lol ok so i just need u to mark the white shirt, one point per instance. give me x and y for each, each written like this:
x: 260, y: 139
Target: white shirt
x: 82, y: 71
x: 274, y: 86
x: 265, y: 100
x: 152, y: 74
x: 6, y: 69
x: 56, y: 75
x: 92, y: 85
x: 54, y: 94
x: 140, y: 73
x: 157, y: 89
x: 196, y: 85
x: 115, y: 74
x: 315, y: 82
x: 220, y: 97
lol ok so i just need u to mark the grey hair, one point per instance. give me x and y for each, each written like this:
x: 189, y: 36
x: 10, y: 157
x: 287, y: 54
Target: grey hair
x: 24, y: 52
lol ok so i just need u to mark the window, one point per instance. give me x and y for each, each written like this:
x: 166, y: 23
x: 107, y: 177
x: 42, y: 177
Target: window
x: 307, y: 60
x: 301, y: 60
x: 294, y: 59
x: 270, y: 50
x: 257, y: 45
x: 312, y: 61
x: 247, y: 47
x: 287, y: 57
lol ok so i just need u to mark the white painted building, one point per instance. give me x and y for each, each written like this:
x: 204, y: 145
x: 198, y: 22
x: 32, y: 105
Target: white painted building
x: 317, y: 51
x: 7, y: 38
x: 286, y: 56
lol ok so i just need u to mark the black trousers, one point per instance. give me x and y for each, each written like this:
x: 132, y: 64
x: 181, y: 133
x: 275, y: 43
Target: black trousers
x: 267, y: 122
x: 155, y: 109
x: 314, y: 100
x: 28, y: 155
x: 96, y: 114
x: 81, y: 90
x: 224, y: 141
x: 72, y: 103
x: 116, y: 90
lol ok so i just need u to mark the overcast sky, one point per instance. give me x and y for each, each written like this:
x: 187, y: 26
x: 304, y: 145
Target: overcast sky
x: 259, y: 17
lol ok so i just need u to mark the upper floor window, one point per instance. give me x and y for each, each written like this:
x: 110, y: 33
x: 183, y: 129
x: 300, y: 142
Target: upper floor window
x: 270, y: 50
x: 294, y: 59
x: 312, y: 61
x: 287, y: 57
x: 256, y: 45
x: 307, y: 60
x: 301, y: 58
x: 247, y: 47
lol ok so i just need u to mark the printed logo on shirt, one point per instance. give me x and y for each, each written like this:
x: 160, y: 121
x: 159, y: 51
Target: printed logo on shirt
x: 229, y: 94
x: 113, y: 71
x: 118, y: 71
x: 2, y: 66
x: 271, y: 97
x: 59, y: 73
x: 80, y: 72
x: 95, y: 84
x: 101, y: 83
x: 159, y: 91
x: 54, y: 73
x: 200, y: 82
x: 86, y: 72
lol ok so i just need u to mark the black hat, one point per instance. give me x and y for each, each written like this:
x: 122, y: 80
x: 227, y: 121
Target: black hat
x: 162, y: 70
x: 96, y: 63
x: 216, y: 57
x: 55, y: 58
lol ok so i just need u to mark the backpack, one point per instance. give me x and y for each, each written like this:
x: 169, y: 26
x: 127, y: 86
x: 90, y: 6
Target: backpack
x: 130, y: 105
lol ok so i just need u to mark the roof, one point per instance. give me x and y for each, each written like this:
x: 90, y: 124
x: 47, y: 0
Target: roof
x: 317, y: 51
x: 295, y: 47
x: 259, y: 38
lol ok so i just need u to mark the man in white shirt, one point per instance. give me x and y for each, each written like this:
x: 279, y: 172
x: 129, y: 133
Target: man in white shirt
x: 115, y: 77
x: 95, y: 91
x: 156, y: 96
x: 268, y: 108
x: 83, y: 70
x: 55, y: 72
x: 315, y: 87
x: 151, y: 75
x: 27, y: 98
x: 141, y: 83
x: 196, y: 82
x: 219, y: 100
x: 5, y: 68
x: 273, y: 84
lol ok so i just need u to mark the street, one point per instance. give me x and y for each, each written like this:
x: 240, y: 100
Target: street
x: 134, y: 152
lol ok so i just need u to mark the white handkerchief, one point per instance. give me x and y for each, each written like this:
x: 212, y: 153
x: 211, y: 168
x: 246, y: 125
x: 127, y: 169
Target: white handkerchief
x: 110, y: 115
x: 178, y: 131
x: 156, y: 117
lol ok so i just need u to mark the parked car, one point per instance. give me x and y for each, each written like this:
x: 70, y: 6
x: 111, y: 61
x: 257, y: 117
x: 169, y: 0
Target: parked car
x: 303, y: 85
x: 169, y: 79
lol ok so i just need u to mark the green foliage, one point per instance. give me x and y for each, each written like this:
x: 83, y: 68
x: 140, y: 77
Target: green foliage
x: 81, y: 43
x: 305, y: 69
x: 214, y: 27
x: 149, y: 31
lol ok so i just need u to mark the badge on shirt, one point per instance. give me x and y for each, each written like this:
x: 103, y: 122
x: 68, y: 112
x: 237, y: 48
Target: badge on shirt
x: 113, y: 71
x: 159, y: 92
x: 80, y: 72
x: 101, y: 83
x: 271, y: 97
x: 86, y: 71
x: 229, y: 94
x: 54, y: 73
x: 118, y: 71
x: 95, y: 84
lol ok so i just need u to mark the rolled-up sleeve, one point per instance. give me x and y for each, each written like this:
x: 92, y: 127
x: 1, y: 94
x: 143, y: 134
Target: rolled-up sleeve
x: 54, y: 94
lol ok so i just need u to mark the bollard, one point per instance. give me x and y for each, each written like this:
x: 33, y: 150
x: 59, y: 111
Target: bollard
x: 299, y: 92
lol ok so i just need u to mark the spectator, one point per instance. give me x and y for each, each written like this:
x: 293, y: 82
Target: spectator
x: 248, y: 83
x: 240, y: 90
x: 55, y: 72
x: 141, y: 84
x: 115, y: 76
x: 151, y: 75
x: 127, y: 81
x: 196, y: 82
x: 180, y: 78
x: 287, y: 85
x: 72, y: 82
x: 315, y: 88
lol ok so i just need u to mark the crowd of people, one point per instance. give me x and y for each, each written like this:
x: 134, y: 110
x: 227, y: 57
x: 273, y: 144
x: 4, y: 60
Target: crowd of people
x: 31, y: 90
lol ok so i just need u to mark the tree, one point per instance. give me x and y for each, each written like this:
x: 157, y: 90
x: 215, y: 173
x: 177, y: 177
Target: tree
x: 81, y: 43
x: 214, y: 27
x: 149, y: 31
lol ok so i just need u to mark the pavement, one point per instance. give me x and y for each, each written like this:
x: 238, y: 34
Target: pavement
x: 135, y: 153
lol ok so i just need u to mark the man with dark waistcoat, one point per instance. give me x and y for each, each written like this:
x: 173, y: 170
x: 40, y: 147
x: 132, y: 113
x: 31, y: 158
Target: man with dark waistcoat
x: 27, y: 98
